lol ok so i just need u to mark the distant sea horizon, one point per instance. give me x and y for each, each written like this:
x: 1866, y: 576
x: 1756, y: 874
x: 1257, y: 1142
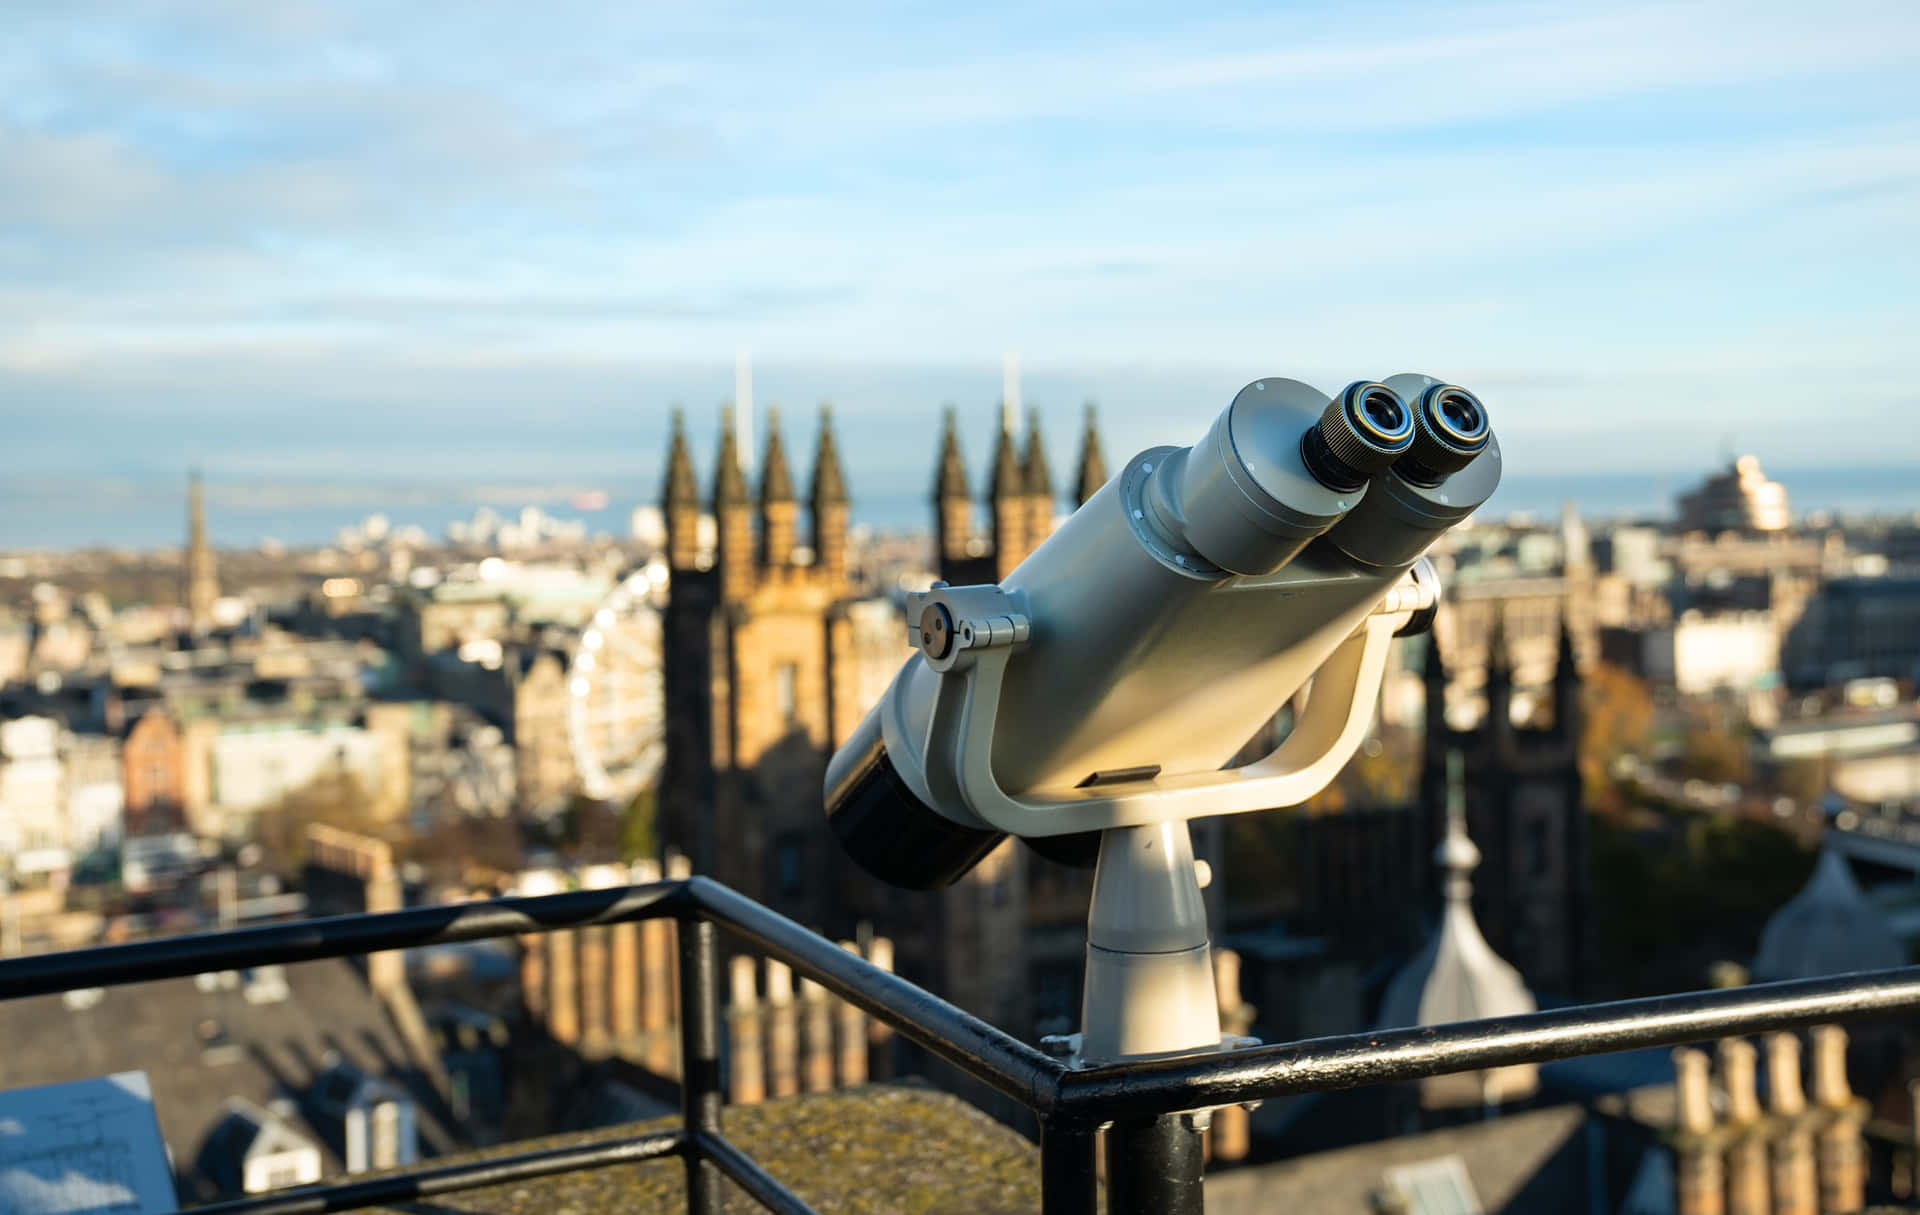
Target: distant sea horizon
x: 145, y: 514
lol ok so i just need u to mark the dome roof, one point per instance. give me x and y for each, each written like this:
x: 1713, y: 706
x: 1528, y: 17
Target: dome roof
x: 1458, y: 976
x: 1829, y: 928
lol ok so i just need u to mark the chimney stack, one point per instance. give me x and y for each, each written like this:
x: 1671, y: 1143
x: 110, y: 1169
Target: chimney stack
x: 1794, y: 1190
x: 879, y: 1033
x: 749, y: 1065
x: 595, y: 1038
x: 623, y: 982
x: 533, y: 975
x: 1231, y: 1131
x: 852, y: 1037
x: 661, y: 1052
x: 1700, y: 1183
x: 563, y: 988
x: 1842, y: 1156
x: 816, y: 1050
x: 783, y: 1031
x: 1747, y: 1189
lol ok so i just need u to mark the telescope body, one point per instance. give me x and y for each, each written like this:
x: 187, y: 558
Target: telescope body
x: 1159, y: 628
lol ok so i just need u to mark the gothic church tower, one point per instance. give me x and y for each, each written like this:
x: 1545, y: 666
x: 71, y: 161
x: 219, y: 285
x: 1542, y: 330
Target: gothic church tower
x: 202, y: 581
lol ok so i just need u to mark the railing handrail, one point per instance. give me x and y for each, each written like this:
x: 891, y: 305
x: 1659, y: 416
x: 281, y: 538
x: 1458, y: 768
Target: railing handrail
x: 1070, y: 1103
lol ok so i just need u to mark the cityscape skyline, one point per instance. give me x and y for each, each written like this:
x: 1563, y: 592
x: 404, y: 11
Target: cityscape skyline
x: 146, y: 514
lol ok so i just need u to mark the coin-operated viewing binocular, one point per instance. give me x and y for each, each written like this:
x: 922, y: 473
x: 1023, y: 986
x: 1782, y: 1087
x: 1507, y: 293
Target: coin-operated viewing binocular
x: 1103, y: 685
x: 1134, y: 652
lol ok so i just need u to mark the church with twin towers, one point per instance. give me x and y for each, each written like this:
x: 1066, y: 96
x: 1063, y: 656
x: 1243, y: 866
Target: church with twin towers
x: 763, y: 649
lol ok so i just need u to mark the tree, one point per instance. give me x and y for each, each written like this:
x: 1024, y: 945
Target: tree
x: 473, y: 849
x: 637, y: 837
x: 334, y: 798
x: 1715, y: 754
x: 1617, y: 715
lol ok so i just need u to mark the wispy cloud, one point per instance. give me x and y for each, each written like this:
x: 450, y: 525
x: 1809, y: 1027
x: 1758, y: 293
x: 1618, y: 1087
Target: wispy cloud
x: 261, y: 212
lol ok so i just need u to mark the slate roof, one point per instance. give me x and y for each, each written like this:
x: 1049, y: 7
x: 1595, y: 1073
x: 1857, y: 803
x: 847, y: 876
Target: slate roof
x: 1522, y: 1162
x: 202, y: 1041
x: 1829, y: 928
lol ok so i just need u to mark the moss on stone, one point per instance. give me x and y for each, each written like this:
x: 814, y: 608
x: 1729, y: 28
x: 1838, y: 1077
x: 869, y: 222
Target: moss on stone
x: 880, y: 1150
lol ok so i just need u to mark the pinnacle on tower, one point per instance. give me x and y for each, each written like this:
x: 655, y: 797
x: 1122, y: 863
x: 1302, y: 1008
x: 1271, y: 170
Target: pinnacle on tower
x: 1566, y: 668
x: 1457, y: 857
x: 1039, y: 477
x: 952, y: 504
x: 1433, y: 678
x: 829, y: 482
x: 729, y: 482
x: 1499, y: 673
x: 1093, y: 465
x: 1009, y: 481
x: 682, y: 489
x: 828, y: 501
x: 776, y: 481
x: 1458, y: 977
x: 950, y: 474
x: 1566, y: 686
x: 779, y: 513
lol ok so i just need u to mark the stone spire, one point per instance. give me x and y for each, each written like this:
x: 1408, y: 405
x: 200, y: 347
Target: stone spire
x: 829, y: 481
x: 681, y: 488
x: 1566, y: 686
x: 1039, y: 479
x: 830, y: 504
x: 680, y: 499
x: 1458, y: 977
x: 733, y: 516
x: 203, y: 583
x: 729, y: 478
x: 1006, y: 500
x: 779, y: 510
x: 1093, y: 465
x: 1499, y: 673
x: 776, y: 479
x: 1433, y: 675
x: 952, y: 500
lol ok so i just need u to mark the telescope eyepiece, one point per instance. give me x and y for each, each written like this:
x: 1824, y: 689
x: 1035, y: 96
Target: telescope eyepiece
x: 1450, y: 430
x: 1360, y: 434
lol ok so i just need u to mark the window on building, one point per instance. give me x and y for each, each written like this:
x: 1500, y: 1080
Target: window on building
x: 789, y: 865
x: 1536, y: 844
x: 786, y: 683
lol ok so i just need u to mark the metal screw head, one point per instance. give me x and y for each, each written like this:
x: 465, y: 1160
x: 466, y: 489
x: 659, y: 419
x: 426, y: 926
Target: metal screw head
x: 936, y: 630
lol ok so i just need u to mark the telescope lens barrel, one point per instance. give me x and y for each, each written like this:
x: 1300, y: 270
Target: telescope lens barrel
x: 886, y: 828
x: 1450, y: 430
x: 1360, y: 434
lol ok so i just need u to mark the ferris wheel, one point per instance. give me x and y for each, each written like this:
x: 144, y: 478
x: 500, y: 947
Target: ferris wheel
x: 616, y: 695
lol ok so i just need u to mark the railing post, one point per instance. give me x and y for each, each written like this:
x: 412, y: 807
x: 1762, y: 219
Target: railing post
x: 1154, y: 1167
x: 1068, y: 1180
x: 700, y: 1058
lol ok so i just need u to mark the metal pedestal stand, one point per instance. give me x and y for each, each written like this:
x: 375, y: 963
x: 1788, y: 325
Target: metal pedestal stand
x: 1149, y: 994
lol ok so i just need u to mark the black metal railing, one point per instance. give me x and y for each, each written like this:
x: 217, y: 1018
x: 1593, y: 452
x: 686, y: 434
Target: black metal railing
x: 1134, y: 1100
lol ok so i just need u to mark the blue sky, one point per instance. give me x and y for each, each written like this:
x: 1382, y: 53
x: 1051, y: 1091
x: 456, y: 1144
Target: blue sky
x: 495, y: 240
